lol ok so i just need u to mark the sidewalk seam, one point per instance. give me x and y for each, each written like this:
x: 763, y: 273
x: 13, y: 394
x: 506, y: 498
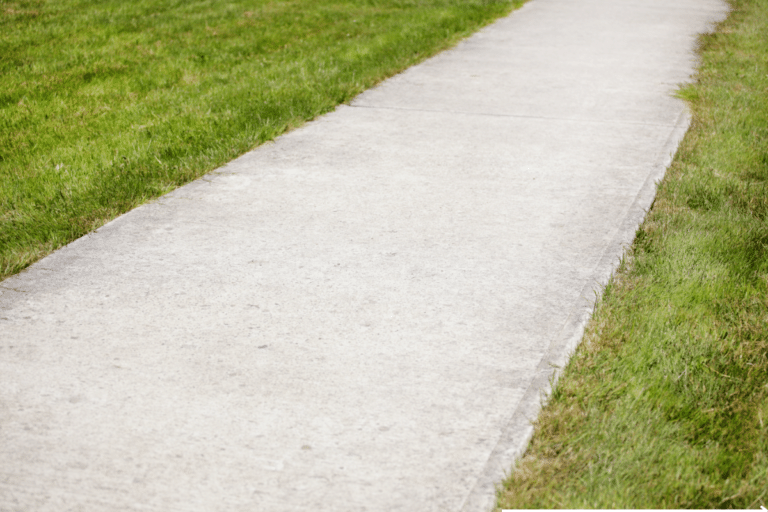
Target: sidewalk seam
x: 517, y: 116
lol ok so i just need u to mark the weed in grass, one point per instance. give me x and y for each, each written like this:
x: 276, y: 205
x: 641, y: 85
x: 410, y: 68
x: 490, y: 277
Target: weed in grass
x: 665, y: 404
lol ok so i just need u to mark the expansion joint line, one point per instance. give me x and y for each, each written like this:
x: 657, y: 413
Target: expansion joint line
x: 519, y: 116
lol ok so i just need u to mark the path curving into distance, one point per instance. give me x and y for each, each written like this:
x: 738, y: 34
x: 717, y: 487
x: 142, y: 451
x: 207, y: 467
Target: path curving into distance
x: 362, y: 315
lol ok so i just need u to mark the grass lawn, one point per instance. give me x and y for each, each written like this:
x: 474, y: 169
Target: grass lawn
x: 665, y: 404
x: 105, y: 104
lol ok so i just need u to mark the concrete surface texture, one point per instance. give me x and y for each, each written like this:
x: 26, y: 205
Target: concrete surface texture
x: 363, y: 314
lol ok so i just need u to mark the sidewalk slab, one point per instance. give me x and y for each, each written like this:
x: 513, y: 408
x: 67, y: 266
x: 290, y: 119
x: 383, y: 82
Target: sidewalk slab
x: 363, y: 314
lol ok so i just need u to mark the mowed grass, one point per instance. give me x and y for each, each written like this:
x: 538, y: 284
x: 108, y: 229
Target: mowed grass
x: 105, y: 104
x: 665, y: 404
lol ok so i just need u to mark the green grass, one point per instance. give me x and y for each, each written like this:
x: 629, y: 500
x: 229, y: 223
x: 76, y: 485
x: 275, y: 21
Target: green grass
x: 665, y: 404
x: 105, y: 104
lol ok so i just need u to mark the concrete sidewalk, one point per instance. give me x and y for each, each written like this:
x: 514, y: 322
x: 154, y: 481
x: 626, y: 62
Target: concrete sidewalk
x: 363, y: 314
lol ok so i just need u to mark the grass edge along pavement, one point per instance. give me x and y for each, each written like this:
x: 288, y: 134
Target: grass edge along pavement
x: 107, y: 105
x: 665, y: 402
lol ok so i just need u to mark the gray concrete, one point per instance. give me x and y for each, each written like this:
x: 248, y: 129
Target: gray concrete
x: 363, y: 314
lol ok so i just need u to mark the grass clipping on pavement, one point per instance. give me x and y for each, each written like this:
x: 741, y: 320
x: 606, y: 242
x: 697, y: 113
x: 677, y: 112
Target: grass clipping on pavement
x: 665, y: 403
x: 107, y: 104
